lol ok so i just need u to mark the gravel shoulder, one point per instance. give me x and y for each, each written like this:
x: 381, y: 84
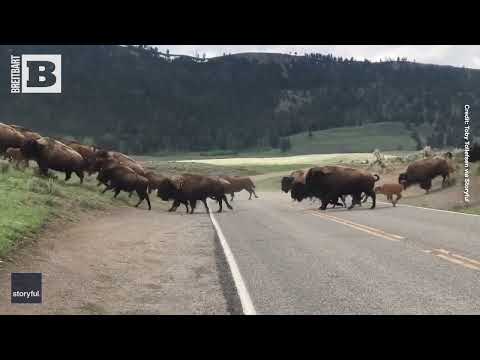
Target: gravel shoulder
x: 126, y: 261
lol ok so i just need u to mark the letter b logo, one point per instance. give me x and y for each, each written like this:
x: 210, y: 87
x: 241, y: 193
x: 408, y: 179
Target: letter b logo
x: 41, y: 74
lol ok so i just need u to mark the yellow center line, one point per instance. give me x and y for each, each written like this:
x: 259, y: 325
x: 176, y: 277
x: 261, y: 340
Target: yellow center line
x: 441, y: 253
x: 458, y: 259
x: 364, y: 228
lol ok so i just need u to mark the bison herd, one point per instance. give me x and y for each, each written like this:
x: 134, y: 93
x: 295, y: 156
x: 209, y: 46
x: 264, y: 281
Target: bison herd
x: 117, y: 171
x: 332, y: 184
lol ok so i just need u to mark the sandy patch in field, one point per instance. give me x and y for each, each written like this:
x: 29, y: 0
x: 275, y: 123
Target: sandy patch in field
x: 298, y: 159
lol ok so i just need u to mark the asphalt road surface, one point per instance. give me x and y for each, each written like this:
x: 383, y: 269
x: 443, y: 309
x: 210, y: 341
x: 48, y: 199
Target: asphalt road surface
x: 295, y: 259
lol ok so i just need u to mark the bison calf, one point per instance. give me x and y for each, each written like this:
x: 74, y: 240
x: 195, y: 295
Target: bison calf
x: 389, y: 190
x: 15, y: 155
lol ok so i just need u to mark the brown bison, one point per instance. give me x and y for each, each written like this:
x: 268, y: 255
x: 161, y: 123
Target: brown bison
x: 474, y: 153
x: 96, y: 160
x: 328, y: 183
x: 189, y: 188
x: 9, y: 137
x: 87, y: 151
x: 27, y: 133
x: 296, y: 184
x: 239, y: 183
x: 154, y: 180
x: 52, y: 154
x: 423, y: 171
x: 122, y: 178
x: 15, y: 155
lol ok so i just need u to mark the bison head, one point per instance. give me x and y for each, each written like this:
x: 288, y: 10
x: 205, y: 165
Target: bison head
x: 287, y: 182
x: 97, y: 161
x: 166, y: 190
x: 31, y: 149
x: 299, y: 191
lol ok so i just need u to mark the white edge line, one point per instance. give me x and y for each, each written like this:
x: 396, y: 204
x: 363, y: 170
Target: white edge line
x: 419, y: 207
x: 247, y: 304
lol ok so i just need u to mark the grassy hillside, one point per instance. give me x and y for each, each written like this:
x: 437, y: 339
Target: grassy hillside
x: 137, y: 101
x: 29, y: 201
x: 384, y: 136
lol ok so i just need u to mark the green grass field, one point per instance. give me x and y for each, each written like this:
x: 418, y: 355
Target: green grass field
x: 384, y: 136
x: 29, y: 201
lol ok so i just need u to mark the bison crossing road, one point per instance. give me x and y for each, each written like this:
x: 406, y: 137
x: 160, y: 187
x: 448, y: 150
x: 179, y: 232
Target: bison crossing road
x: 117, y: 171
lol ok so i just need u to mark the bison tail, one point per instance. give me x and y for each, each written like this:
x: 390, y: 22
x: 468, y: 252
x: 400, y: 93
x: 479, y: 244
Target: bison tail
x: 377, y: 177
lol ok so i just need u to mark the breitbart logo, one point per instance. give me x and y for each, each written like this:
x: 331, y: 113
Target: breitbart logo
x: 36, y: 74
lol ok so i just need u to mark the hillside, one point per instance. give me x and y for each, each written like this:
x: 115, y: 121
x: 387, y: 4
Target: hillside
x: 138, y: 101
x: 361, y: 139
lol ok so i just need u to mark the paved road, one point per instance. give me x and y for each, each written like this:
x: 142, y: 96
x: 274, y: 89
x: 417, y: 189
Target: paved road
x: 295, y: 259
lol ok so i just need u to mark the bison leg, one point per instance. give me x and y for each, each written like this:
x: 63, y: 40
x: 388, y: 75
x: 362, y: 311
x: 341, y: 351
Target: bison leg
x: 250, y: 198
x: 80, y: 175
x: 143, y: 195
x: 426, y: 186
x: 220, y: 205
x: 206, y: 205
x: 174, y: 206
x: 117, y: 191
x: 226, y: 202
x: 399, y: 196
x: 324, y: 204
x: 193, y: 205
x: 232, y: 194
x: 374, y: 198
x: 186, y: 205
x: 68, y: 175
x: 141, y: 198
x: 356, y: 199
x: 256, y: 197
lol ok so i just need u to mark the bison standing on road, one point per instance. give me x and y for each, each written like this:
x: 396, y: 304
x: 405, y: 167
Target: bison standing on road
x: 423, y: 171
x: 328, y: 183
x: 192, y: 188
x: 239, y: 183
x: 295, y: 183
x: 9, y: 137
x: 122, y: 178
x: 52, y: 154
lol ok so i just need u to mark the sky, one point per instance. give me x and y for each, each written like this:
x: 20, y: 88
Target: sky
x: 455, y: 55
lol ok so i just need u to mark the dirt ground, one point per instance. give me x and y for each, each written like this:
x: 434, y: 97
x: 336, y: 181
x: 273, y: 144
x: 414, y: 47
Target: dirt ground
x: 126, y: 261
x: 448, y: 198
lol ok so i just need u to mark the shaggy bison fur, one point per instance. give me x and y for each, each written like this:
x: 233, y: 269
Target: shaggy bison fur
x: 328, y: 183
x: 239, y: 183
x: 423, y: 171
x: 52, y: 154
x: 10, y: 138
x: 189, y: 188
x: 122, y: 178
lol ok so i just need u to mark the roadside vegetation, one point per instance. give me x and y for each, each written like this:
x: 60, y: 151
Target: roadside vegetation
x: 29, y: 202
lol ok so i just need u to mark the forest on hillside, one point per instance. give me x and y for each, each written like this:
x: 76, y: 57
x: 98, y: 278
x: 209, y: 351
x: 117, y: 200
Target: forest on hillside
x: 137, y: 100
